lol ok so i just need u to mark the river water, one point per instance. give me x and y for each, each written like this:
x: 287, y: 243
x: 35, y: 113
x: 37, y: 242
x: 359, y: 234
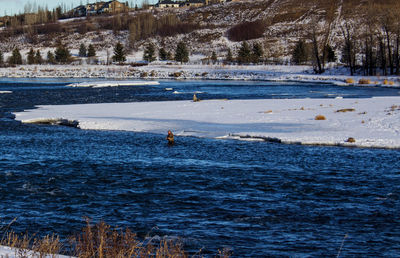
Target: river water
x: 257, y: 199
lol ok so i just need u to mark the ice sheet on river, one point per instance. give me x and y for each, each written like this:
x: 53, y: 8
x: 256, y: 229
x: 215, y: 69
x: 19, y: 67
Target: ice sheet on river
x: 102, y: 84
x: 372, y: 122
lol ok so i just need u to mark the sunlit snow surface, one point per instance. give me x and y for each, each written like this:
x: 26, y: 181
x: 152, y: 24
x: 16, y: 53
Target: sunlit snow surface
x: 372, y: 122
x: 102, y: 84
x: 9, y: 252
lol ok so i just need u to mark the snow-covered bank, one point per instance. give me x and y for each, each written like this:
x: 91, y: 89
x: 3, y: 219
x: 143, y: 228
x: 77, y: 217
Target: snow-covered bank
x: 9, y: 252
x: 371, y: 122
x: 210, y: 72
x: 103, y: 84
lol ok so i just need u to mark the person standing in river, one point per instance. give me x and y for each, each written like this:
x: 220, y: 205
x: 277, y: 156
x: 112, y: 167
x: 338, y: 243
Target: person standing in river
x: 170, y: 137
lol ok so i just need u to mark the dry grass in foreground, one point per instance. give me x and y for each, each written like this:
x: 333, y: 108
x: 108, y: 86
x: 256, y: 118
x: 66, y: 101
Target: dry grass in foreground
x: 99, y: 241
x: 26, y: 246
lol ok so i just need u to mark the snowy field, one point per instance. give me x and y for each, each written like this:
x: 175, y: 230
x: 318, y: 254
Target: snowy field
x: 373, y: 122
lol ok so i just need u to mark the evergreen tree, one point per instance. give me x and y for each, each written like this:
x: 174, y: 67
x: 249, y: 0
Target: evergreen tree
x: 300, y: 53
x: 257, y: 53
x: 169, y: 55
x: 82, y: 50
x: 31, y: 57
x: 244, y: 54
x: 214, y: 57
x: 15, y: 57
x: 1, y: 58
x: 162, y: 54
x: 91, y: 51
x: 119, y: 53
x: 330, y: 54
x: 149, y: 53
x: 229, y: 57
x: 38, y: 58
x: 62, y: 54
x: 50, y: 58
x: 181, y: 53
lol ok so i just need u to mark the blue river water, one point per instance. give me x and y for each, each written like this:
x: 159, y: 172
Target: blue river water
x: 258, y: 199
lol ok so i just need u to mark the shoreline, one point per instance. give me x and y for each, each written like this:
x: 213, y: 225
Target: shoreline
x: 276, y: 73
x: 273, y: 73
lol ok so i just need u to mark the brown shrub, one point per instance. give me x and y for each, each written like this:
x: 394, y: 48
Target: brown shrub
x: 85, y: 27
x: 364, y: 81
x: 103, y: 241
x: 351, y: 140
x: 105, y: 23
x: 386, y: 82
x: 176, y: 74
x: 100, y: 240
x: 349, y: 80
x: 345, y: 110
x: 320, y: 117
x: 246, y: 31
x: 50, y: 28
x: 180, y: 28
x: 39, y: 246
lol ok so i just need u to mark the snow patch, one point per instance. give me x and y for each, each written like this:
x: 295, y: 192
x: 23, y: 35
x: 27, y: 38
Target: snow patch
x: 54, y: 121
x: 103, y: 84
x: 373, y: 122
x: 9, y: 252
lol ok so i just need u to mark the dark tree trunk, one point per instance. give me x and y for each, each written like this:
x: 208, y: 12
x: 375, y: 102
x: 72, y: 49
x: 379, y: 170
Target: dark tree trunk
x: 319, y: 69
x: 389, y: 48
x: 396, y: 55
x: 382, y: 50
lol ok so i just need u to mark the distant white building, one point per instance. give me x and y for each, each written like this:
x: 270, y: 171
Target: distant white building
x: 106, y: 7
x: 167, y: 4
x: 187, y: 3
x: 215, y: 1
x: 194, y: 3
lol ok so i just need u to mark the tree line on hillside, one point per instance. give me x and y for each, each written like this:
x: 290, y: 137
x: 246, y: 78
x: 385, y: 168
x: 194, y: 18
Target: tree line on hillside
x: 61, y: 55
x: 245, y: 55
x: 369, y: 43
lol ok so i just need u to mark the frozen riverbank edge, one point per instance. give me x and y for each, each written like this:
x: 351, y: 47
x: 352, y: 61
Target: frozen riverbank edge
x: 372, y: 122
x: 156, y: 71
x: 10, y: 252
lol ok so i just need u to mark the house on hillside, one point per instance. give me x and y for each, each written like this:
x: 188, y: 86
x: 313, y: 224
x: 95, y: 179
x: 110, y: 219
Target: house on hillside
x: 187, y: 3
x: 103, y: 7
x: 79, y: 11
x: 113, y: 7
x: 91, y: 9
x: 208, y: 2
x: 167, y: 4
x: 193, y: 3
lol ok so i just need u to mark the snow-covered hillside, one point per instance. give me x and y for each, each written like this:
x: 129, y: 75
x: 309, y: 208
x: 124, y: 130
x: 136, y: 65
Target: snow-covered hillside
x: 284, y: 21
